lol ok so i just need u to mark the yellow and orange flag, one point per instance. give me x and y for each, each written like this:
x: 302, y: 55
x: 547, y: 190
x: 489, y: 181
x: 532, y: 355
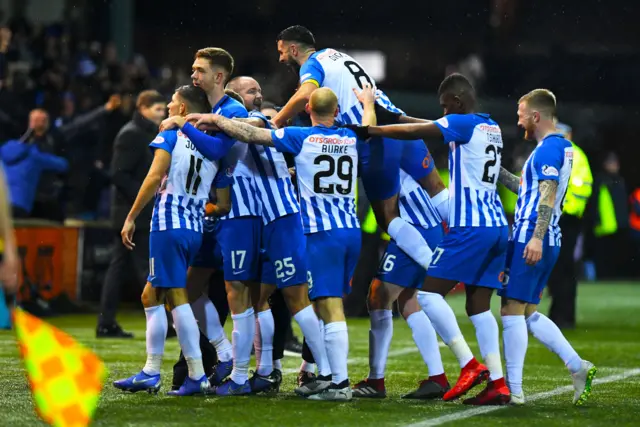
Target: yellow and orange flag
x: 65, y: 378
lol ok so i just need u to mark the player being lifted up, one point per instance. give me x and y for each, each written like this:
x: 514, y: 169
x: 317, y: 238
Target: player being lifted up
x: 535, y: 245
x: 182, y: 178
x: 326, y: 167
x: 474, y: 250
x: 380, y: 159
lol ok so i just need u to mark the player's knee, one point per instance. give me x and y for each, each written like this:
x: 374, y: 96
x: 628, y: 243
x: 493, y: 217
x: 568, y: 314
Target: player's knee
x: 378, y: 298
x: 148, y: 297
x: 330, y: 310
x: 477, y: 305
x: 296, y: 297
x: 512, y: 308
x: 408, y: 303
x: 177, y: 297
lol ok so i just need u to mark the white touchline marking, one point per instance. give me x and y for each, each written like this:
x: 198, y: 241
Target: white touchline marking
x: 468, y: 413
x: 399, y: 352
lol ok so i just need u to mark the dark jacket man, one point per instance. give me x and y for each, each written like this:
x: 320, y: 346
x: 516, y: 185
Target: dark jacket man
x: 129, y: 166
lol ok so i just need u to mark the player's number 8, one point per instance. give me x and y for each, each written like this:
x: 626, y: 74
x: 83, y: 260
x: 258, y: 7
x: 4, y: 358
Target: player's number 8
x: 358, y: 73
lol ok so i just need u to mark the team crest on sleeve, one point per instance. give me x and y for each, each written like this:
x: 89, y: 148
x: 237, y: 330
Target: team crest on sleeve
x: 549, y: 171
x: 280, y: 133
x: 158, y: 140
x: 443, y: 122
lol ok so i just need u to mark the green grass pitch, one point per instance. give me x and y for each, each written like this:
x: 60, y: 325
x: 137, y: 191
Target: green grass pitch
x: 608, y: 334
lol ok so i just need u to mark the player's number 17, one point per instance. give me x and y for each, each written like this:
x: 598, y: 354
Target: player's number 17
x: 436, y: 256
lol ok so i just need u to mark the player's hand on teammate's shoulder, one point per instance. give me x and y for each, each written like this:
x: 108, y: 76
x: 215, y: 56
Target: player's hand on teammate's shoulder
x: 128, y: 229
x: 367, y: 95
x: 533, y: 251
x: 292, y: 172
x: 203, y: 121
x: 172, y: 123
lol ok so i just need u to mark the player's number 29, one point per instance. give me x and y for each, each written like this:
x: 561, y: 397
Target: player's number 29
x: 342, y: 167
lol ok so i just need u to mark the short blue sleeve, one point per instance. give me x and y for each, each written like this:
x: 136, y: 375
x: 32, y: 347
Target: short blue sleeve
x: 165, y: 140
x: 288, y: 140
x: 312, y: 72
x: 224, y: 177
x: 234, y: 111
x: 259, y: 115
x: 457, y: 127
x: 548, y: 160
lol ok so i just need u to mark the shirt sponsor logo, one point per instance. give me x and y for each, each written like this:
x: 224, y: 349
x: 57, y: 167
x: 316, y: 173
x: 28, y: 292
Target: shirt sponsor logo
x: 549, y: 171
x: 330, y: 140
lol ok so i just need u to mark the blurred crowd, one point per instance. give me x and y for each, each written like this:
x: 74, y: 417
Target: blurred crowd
x: 69, y: 98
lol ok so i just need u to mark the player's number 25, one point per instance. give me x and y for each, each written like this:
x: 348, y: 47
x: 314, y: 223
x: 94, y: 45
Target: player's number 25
x: 342, y: 167
x: 282, y: 264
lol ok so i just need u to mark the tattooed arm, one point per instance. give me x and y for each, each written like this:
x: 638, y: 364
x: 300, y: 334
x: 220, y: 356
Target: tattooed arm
x: 509, y: 180
x: 533, y: 251
x: 243, y: 131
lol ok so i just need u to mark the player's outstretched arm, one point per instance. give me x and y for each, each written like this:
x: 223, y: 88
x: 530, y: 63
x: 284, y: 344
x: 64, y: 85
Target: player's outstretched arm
x: 295, y: 105
x: 409, y: 119
x: 407, y: 131
x: 244, y: 132
x: 509, y: 180
x: 157, y: 171
x: 533, y: 250
x: 253, y: 121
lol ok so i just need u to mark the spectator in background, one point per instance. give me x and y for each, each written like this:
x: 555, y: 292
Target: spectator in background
x: 129, y: 165
x: 48, y: 200
x: 611, y: 220
x: 24, y: 163
x: 563, y: 283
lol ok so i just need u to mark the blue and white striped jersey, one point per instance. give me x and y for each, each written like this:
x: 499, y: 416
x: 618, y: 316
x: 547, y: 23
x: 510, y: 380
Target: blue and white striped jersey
x: 341, y: 73
x: 185, y: 189
x: 272, y: 179
x: 244, y: 194
x: 415, y: 204
x: 551, y: 160
x: 475, y: 155
x: 327, y: 170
